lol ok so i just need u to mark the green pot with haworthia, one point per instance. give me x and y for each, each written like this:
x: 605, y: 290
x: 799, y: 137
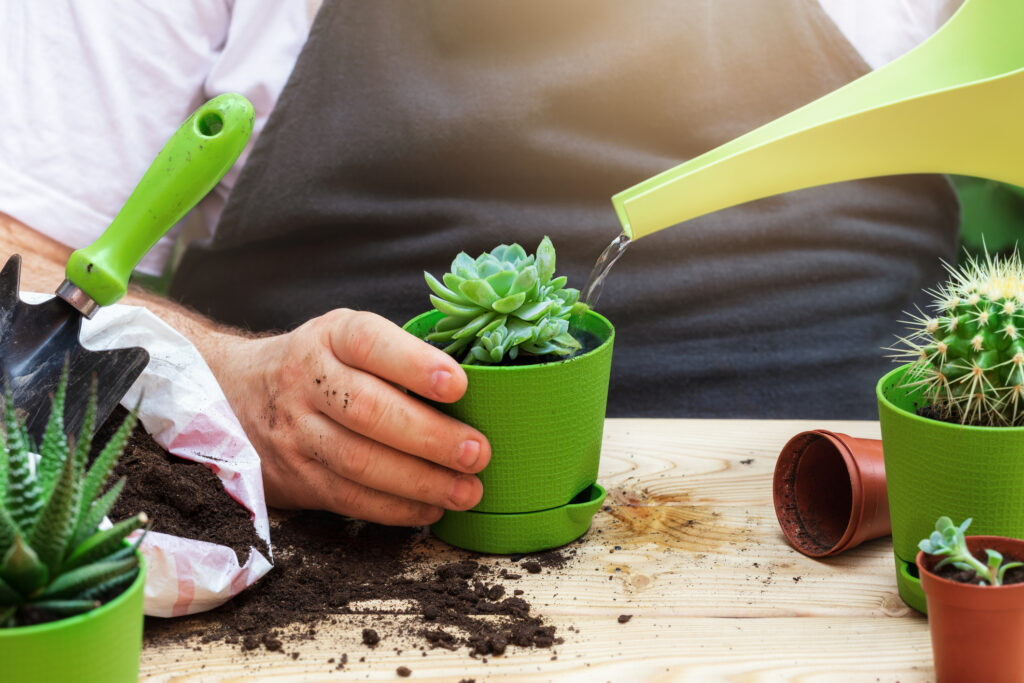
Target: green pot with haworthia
x: 71, y: 594
x: 536, y: 391
x: 952, y: 418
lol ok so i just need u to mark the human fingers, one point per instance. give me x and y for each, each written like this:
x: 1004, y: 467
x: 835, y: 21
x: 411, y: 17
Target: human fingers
x: 376, y: 345
x: 379, y: 467
x: 316, y: 487
x: 378, y: 411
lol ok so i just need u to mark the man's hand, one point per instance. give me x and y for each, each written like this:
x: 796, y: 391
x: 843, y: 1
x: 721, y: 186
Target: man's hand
x: 324, y: 405
x: 325, y: 408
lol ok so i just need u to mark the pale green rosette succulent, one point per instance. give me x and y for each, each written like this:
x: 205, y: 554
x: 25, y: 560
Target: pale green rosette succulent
x: 503, y: 304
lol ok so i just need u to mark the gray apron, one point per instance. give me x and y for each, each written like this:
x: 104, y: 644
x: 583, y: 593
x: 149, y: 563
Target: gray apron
x: 412, y: 130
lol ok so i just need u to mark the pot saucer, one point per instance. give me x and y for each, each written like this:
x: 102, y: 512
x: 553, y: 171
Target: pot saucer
x: 521, y: 532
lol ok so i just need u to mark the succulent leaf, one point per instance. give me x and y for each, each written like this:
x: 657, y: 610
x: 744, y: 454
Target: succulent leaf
x: 66, y: 608
x: 509, y: 303
x: 455, y: 309
x: 91, y: 517
x: 56, y: 523
x: 24, y: 494
x: 103, y: 465
x: 443, y: 291
x: 516, y: 306
x: 8, y: 530
x: 8, y: 595
x: 81, y: 579
x: 480, y: 292
x: 103, y: 543
x: 22, y: 568
x: 501, y: 282
x: 545, y: 260
x: 55, y: 442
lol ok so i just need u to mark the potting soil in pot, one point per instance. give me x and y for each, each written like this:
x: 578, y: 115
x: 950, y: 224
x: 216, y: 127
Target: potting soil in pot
x: 182, y: 498
x: 329, y: 566
x: 1012, y: 576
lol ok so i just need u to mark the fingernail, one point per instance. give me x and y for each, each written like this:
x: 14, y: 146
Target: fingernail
x: 462, y: 493
x: 441, y: 379
x: 469, y: 453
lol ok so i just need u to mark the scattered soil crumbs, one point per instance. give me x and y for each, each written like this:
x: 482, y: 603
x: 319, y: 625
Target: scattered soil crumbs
x: 401, y: 580
x: 182, y: 497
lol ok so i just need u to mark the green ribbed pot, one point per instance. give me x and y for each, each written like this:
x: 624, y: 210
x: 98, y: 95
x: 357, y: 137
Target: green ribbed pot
x: 935, y: 468
x: 100, y: 646
x: 544, y: 423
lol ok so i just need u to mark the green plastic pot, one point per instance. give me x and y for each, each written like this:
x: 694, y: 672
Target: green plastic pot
x: 544, y: 423
x: 935, y: 468
x: 100, y: 646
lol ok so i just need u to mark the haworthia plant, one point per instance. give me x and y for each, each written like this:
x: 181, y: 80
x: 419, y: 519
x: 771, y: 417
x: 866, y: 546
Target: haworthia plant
x: 948, y: 540
x: 504, y: 303
x: 54, y: 560
x: 968, y: 356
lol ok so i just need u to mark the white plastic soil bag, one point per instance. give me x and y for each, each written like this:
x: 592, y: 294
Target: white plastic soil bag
x: 185, y: 411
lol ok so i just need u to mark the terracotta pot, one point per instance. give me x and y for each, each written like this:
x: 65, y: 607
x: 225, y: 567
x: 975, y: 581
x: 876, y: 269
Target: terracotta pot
x: 976, y: 630
x: 829, y: 492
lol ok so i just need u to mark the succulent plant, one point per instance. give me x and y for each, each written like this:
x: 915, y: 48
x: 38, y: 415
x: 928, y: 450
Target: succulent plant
x: 948, y: 539
x: 54, y: 561
x: 968, y: 358
x: 504, y: 303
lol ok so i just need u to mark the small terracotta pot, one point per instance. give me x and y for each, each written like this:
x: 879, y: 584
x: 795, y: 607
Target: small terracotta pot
x: 829, y: 492
x: 976, y: 630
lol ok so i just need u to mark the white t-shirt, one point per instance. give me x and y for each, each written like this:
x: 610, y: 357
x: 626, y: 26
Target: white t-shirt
x: 91, y: 89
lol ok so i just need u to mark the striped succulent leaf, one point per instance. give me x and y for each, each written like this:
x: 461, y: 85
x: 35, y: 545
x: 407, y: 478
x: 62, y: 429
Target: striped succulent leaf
x: 502, y: 304
x: 54, y: 560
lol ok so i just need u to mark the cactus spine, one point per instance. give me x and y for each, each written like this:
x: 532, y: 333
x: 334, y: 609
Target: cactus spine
x: 968, y: 358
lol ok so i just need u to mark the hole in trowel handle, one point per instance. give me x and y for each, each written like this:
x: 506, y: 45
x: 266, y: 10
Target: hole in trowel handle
x: 209, y: 124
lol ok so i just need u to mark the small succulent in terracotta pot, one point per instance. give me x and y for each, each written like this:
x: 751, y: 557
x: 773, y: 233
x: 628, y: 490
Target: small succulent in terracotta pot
x: 974, y: 586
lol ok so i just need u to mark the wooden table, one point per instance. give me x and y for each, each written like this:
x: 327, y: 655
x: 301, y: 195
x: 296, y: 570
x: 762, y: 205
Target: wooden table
x: 714, y: 590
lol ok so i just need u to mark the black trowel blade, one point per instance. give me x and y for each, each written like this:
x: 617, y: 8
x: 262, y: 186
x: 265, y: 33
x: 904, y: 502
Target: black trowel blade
x: 35, y: 342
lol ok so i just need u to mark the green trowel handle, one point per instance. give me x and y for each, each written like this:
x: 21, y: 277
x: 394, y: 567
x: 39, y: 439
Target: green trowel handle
x: 195, y: 158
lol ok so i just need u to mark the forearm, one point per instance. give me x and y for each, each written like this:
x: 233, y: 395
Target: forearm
x: 42, y: 270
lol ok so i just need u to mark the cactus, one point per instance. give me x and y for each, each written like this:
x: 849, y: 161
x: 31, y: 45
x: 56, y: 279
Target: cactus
x: 968, y: 358
x: 504, y: 303
x: 54, y: 561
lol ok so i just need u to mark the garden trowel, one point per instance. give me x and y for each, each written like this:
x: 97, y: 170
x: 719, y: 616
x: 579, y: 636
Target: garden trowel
x: 36, y: 341
x: 951, y: 105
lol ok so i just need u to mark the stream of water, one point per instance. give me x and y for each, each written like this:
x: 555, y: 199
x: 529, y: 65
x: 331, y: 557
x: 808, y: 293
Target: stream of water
x: 595, y: 283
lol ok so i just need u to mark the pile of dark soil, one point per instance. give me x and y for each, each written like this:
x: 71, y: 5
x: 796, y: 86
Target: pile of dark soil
x: 181, y: 497
x: 329, y: 566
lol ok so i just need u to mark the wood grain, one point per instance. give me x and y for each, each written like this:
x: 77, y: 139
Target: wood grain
x: 689, y: 546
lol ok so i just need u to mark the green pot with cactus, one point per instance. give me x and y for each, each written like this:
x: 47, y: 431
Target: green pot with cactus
x: 538, y: 363
x: 71, y: 594
x: 952, y: 418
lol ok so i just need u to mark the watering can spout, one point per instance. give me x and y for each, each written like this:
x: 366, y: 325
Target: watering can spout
x: 952, y: 105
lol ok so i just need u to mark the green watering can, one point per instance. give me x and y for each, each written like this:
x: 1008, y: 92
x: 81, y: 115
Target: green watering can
x: 952, y: 105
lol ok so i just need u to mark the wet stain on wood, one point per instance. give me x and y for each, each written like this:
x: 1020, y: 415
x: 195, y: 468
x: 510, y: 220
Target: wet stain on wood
x: 673, y: 521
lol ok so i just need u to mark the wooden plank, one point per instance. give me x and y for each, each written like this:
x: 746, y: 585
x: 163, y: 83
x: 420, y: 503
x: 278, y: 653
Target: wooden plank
x: 688, y: 544
x: 654, y: 648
